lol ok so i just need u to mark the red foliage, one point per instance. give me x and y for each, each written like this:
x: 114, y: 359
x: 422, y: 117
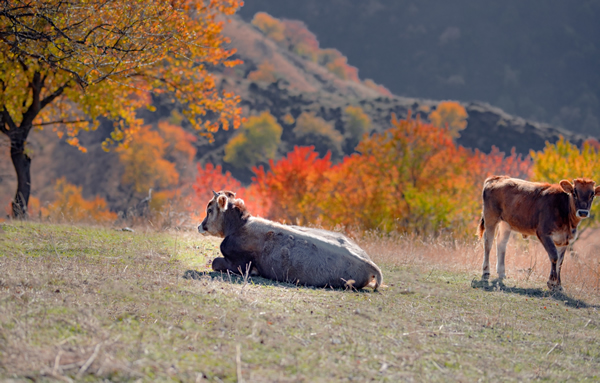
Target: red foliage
x: 293, y: 185
x: 497, y: 163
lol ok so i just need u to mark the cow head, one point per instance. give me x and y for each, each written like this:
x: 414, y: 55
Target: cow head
x: 583, y: 192
x: 214, y: 223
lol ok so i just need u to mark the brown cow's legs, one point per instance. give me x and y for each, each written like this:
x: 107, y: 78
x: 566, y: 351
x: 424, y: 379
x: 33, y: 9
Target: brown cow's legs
x: 488, y: 241
x: 548, y: 243
x: 501, y: 241
x: 561, y: 258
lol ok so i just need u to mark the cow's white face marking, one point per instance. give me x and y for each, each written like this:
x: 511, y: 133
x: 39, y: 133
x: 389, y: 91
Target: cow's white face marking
x: 583, y: 193
x: 214, y: 220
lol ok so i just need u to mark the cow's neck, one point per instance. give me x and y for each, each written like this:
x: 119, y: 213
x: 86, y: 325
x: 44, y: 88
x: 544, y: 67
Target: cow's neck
x: 235, y: 219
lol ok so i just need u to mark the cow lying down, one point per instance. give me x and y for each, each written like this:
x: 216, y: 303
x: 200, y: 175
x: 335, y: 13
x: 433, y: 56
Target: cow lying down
x: 293, y: 254
x: 550, y: 212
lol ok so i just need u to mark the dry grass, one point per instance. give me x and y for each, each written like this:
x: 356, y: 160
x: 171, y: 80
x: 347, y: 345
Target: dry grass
x: 526, y: 259
x: 85, y: 303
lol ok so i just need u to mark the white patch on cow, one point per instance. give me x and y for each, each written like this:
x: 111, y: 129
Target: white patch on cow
x: 581, y: 211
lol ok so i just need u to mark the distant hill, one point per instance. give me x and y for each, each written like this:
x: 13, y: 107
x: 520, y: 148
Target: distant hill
x: 272, y: 78
x: 535, y: 59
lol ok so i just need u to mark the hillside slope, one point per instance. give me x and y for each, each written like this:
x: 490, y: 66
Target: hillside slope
x: 300, y: 85
x: 538, y: 60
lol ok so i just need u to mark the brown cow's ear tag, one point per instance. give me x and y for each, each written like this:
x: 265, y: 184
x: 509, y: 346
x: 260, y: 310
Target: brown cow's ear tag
x: 597, y: 191
x: 566, y: 186
x: 222, y: 202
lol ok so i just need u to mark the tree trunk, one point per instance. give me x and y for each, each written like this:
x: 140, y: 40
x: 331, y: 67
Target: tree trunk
x: 22, y: 164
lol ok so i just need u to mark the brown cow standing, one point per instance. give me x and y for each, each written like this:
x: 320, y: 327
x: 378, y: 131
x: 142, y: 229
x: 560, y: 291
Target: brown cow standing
x: 550, y: 212
x: 294, y: 254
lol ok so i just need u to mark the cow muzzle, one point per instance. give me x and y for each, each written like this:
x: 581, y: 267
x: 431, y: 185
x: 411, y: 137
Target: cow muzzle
x: 201, y: 230
x: 581, y: 213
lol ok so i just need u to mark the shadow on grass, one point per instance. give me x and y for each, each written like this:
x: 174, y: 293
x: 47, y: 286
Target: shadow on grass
x: 559, y: 296
x: 253, y: 280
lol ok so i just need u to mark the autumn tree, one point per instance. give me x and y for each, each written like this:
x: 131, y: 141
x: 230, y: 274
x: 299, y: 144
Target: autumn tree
x: 145, y: 167
x: 293, y: 185
x: 450, y: 115
x: 357, y: 124
x: 256, y: 142
x: 65, y: 65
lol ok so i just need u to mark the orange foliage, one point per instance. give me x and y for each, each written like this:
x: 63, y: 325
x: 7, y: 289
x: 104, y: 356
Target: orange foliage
x: 264, y: 73
x: 295, y: 36
x: 380, y: 88
x: 270, y: 26
x: 411, y: 178
x: 293, y: 185
x: 179, y: 142
x: 497, y: 163
x: 337, y: 64
x: 71, y: 206
x: 300, y: 40
x: 450, y: 115
x: 144, y: 162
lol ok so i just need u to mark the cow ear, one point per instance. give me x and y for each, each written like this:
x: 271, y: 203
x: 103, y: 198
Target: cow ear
x: 566, y: 186
x: 222, y: 202
x: 597, y: 191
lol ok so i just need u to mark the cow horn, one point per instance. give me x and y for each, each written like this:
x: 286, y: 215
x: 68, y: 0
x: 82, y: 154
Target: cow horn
x: 215, y: 193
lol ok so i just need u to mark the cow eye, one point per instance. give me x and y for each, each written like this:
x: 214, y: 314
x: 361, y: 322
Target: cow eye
x: 209, y: 211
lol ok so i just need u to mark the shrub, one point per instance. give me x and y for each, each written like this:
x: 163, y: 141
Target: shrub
x: 314, y: 131
x: 450, y: 115
x: 70, y: 205
x: 357, y: 124
x: 256, y: 142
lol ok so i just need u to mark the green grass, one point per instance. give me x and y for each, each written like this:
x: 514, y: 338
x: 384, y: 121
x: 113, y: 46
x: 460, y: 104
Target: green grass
x: 83, y: 303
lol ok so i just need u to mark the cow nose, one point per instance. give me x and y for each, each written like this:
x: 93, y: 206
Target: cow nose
x: 581, y: 213
x: 201, y: 229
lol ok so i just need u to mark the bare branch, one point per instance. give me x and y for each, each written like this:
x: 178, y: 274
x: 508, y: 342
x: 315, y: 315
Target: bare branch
x: 8, y: 120
x: 48, y: 99
x: 60, y: 122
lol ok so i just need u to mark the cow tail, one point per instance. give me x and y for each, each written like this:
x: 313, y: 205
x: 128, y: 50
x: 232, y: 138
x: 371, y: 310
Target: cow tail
x: 481, y: 228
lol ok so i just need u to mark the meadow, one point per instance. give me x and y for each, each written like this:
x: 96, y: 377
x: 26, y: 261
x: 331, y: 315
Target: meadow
x: 89, y: 303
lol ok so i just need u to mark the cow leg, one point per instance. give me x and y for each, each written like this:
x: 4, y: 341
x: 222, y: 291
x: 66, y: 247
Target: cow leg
x: 548, y: 243
x: 561, y: 257
x: 488, y: 241
x: 225, y: 265
x: 501, y: 241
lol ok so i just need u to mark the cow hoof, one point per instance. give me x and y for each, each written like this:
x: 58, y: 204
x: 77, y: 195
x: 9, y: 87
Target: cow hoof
x: 554, y: 286
x: 501, y: 276
x: 485, y: 276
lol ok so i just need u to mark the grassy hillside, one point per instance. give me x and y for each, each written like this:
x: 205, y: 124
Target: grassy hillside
x: 96, y: 303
